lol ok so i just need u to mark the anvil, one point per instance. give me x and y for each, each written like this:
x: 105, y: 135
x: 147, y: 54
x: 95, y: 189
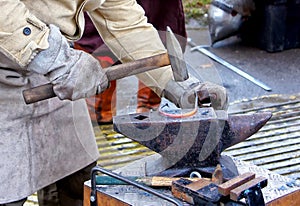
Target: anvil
x: 192, y: 142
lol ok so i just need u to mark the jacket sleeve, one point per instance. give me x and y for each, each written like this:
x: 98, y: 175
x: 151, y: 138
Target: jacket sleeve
x: 123, y: 27
x: 21, y: 34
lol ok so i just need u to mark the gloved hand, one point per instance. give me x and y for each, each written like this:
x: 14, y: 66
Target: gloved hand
x: 74, y: 74
x: 183, y: 94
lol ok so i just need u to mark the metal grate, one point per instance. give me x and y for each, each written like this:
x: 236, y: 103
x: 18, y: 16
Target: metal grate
x: 276, y: 146
x: 117, y: 150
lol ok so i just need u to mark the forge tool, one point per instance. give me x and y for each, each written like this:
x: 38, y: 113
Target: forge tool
x: 173, y: 57
x: 45, y: 91
x: 154, y: 181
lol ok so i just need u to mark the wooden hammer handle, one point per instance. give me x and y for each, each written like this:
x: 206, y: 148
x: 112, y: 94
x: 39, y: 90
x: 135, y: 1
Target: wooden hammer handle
x: 45, y: 91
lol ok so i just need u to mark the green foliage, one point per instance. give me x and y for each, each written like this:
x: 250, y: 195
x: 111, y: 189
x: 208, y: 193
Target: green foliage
x: 195, y: 8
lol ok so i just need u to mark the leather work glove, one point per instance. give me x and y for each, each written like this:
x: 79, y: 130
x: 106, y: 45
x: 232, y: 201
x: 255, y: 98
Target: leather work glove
x: 74, y: 74
x: 183, y: 94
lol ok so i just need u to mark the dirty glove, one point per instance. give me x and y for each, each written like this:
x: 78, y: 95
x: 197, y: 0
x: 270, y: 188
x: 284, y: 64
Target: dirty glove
x: 74, y: 74
x: 183, y: 94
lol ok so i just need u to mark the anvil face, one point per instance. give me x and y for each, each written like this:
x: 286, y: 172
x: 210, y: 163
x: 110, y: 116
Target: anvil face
x: 194, y: 141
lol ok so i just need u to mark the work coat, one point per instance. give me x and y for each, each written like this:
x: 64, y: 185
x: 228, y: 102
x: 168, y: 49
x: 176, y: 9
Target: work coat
x: 46, y: 141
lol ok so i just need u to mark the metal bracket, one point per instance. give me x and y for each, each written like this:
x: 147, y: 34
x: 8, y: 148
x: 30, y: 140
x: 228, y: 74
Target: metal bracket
x: 93, y: 197
x: 254, y: 197
x: 249, y: 189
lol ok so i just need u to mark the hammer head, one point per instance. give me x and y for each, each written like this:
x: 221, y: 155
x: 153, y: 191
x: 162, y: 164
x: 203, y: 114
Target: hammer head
x: 179, y: 67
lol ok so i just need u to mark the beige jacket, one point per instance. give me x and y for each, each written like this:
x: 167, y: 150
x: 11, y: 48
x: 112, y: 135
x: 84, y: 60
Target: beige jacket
x: 121, y: 23
x: 45, y: 141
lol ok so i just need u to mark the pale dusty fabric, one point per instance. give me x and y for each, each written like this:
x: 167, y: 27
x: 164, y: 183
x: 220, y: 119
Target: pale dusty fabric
x: 40, y: 143
x: 82, y: 76
x: 43, y: 142
x: 121, y: 23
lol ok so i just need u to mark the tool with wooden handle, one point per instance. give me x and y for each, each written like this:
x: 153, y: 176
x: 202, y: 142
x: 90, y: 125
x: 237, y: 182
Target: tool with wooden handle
x: 45, y: 91
x: 173, y: 57
x: 153, y: 181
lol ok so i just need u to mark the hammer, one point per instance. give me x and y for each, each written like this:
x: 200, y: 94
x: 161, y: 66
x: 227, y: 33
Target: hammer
x: 173, y: 57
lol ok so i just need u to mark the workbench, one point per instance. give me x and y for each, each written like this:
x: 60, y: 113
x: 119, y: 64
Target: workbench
x: 280, y: 191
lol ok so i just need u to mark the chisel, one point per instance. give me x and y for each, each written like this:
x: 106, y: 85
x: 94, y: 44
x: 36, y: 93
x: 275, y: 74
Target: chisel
x: 155, y: 181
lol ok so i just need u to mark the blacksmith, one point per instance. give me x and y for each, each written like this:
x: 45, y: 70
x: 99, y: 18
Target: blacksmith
x: 46, y: 141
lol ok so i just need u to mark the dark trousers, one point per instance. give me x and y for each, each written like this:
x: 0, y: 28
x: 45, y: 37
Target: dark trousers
x: 67, y: 191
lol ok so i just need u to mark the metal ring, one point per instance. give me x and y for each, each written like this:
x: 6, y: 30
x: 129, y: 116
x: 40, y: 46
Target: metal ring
x: 195, y: 174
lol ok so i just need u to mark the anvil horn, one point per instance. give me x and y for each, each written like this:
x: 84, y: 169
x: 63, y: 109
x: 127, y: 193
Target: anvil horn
x: 194, y: 141
x: 244, y: 126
